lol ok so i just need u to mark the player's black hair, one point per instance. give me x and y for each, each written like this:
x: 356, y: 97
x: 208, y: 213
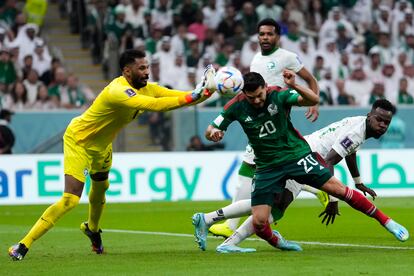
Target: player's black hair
x: 252, y: 81
x: 269, y: 22
x: 129, y: 57
x: 384, y: 104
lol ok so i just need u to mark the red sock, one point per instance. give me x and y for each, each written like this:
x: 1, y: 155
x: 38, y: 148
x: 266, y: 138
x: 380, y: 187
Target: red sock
x: 357, y: 201
x: 267, y: 234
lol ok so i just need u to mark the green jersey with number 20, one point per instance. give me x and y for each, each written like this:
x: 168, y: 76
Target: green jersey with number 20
x: 269, y: 129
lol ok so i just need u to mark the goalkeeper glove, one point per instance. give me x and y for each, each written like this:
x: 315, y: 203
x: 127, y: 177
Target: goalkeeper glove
x: 206, y: 87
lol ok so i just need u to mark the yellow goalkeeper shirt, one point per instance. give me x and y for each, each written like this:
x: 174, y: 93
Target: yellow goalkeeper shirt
x: 117, y: 105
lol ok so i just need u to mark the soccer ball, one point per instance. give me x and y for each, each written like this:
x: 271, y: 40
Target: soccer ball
x: 229, y: 80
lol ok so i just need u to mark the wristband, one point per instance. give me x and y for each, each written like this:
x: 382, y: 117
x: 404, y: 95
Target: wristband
x: 192, y: 97
x: 196, y: 95
x: 357, y: 180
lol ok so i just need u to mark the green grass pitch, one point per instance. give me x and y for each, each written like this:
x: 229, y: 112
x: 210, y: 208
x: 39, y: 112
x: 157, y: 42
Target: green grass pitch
x: 354, y: 245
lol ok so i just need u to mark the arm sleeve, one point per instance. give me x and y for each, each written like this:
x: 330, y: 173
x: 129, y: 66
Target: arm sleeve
x: 349, y: 142
x: 160, y: 91
x: 223, y: 120
x: 154, y: 104
x: 147, y: 99
x: 289, y: 97
x: 294, y: 63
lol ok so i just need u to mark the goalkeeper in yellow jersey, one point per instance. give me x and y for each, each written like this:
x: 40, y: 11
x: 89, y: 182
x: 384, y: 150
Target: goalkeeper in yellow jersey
x: 87, y: 146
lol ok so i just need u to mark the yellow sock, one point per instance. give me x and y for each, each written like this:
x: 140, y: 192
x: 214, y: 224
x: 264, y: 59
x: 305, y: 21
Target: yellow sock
x: 50, y: 217
x: 96, y: 203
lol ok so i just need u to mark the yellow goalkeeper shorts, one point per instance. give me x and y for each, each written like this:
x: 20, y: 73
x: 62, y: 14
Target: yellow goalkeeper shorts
x: 78, y: 161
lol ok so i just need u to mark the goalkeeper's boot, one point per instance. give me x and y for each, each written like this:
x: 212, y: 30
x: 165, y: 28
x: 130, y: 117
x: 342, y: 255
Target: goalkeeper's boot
x: 286, y: 245
x: 399, y: 231
x: 221, y: 230
x: 228, y: 248
x: 18, y: 251
x: 200, y: 230
x: 323, y: 198
x: 94, y: 237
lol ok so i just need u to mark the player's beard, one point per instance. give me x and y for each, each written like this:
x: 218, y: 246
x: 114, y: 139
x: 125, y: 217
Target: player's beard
x: 138, y: 83
x: 267, y: 47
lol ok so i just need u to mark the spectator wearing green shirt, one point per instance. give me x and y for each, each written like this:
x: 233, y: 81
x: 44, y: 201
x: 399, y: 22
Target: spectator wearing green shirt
x: 403, y: 96
x: 119, y: 29
x: 7, y: 69
x: 58, y: 87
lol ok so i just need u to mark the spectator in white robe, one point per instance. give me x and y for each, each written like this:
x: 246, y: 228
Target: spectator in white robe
x: 249, y: 50
x: 41, y: 57
x: 359, y: 86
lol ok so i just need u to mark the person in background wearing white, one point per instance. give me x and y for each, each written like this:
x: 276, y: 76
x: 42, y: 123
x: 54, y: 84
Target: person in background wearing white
x: 328, y: 28
x: 177, y: 72
x: 77, y: 95
x: 359, y: 86
x: 16, y: 100
x: 250, y: 48
x: 305, y: 53
x: 43, y: 100
x: 374, y: 68
x: 269, y: 10
x: 391, y: 82
x: 134, y: 14
x: 212, y: 14
x: 32, y: 83
x: 41, y: 57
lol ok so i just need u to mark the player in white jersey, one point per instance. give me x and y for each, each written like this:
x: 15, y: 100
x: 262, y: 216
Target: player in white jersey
x: 272, y: 60
x: 341, y: 139
x: 270, y: 63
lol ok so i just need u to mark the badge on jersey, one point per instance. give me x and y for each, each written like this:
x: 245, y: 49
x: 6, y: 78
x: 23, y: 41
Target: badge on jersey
x: 271, y: 66
x: 130, y: 92
x: 272, y: 108
x: 346, y: 143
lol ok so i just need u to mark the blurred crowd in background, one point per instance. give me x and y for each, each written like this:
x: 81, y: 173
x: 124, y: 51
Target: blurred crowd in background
x: 358, y: 50
x: 30, y: 77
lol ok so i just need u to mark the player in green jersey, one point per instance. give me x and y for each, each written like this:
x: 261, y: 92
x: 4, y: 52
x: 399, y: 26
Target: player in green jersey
x: 281, y: 154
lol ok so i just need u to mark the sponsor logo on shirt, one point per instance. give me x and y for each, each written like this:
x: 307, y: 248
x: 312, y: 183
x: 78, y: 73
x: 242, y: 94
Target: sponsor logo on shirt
x: 85, y: 172
x: 272, y: 108
x: 248, y: 119
x: 346, y: 143
x: 130, y: 92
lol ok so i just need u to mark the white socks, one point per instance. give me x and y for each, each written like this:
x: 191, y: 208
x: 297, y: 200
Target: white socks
x: 243, y: 232
x: 243, y: 191
x: 236, y: 209
x: 310, y: 189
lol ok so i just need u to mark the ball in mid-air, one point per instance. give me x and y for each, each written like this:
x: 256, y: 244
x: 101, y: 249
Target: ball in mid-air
x: 229, y: 80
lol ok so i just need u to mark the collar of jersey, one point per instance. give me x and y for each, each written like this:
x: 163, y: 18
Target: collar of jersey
x: 124, y: 81
x: 271, y: 52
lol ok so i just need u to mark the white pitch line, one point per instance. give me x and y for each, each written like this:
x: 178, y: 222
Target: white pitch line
x: 255, y: 239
